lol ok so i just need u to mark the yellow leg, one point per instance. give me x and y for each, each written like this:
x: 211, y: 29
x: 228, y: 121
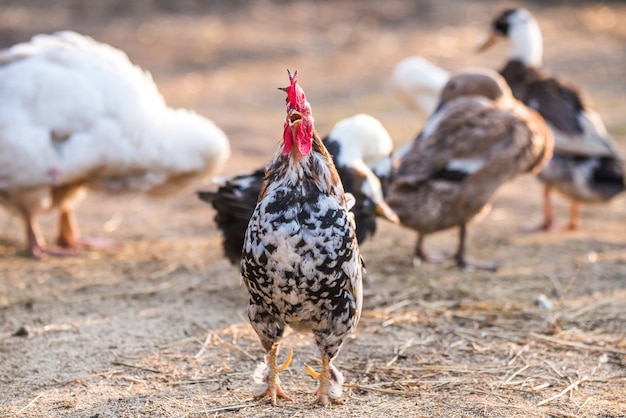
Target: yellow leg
x: 330, y: 381
x: 324, y: 378
x: 273, y: 382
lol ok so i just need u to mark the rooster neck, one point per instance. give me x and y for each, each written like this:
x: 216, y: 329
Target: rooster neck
x: 300, y: 172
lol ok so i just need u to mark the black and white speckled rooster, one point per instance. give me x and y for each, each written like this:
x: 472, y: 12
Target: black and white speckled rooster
x: 361, y: 149
x: 301, y: 262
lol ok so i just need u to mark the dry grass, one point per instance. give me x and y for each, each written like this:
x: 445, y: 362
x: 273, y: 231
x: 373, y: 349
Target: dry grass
x: 157, y: 326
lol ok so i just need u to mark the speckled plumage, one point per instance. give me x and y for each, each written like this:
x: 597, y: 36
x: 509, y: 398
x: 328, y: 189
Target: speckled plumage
x: 234, y: 201
x: 361, y: 150
x: 301, y: 263
x: 300, y: 256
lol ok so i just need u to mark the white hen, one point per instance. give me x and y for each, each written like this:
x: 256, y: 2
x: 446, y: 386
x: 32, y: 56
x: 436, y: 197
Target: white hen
x: 78, y: 114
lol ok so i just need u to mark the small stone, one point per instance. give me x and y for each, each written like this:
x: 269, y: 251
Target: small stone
x: 543, y: 302
x: 22, y: 332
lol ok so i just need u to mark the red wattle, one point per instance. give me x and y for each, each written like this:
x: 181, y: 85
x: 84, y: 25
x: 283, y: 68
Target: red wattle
x: 304, y: 145
x: 287, y: 140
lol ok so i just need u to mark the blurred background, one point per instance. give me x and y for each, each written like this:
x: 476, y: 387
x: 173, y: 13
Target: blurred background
x: 225, y: 59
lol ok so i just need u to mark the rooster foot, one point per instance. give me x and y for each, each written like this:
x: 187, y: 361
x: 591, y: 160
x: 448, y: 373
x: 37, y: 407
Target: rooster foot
x: 267, y: 381
x: 274, y: 393
x: 330, y: 384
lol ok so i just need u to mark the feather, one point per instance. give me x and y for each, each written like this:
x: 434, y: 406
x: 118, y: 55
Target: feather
x: 586, y: 165
x: 78, y: 113
x: 301, y: 262
x: 361, y: 149
x: 483, y: 138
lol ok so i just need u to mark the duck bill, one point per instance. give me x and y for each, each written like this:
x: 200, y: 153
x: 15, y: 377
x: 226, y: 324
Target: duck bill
x: 488, y: 40
x: 384, y: 211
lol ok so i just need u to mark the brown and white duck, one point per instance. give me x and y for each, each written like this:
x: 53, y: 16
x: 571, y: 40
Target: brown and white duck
x: 586, y: 166
x: 478, y: 138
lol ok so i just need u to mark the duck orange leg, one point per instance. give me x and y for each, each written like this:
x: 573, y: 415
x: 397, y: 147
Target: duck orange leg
x: 70, y: 237
x: 35, y: 243
x: 548, y: 217
x: 69, y: 232
x: 574, y: 216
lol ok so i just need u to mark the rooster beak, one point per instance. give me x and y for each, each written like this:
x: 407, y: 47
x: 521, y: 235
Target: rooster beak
x: 384, y: 211
x: 487, y: 41
x: 295, y: 117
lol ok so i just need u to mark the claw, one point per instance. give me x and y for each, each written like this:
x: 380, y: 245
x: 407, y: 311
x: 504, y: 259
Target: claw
x: 330, y: 382
x: 311, y: 372
x: 287, y: 360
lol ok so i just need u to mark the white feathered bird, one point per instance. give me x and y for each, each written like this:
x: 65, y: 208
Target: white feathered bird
x: 77, y: 114
x: 418, y: 82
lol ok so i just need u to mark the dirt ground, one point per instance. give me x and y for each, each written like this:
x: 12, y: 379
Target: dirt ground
x: 157, y: 327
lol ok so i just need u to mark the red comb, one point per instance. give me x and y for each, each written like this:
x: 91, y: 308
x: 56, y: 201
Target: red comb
x: 295, y: 95
x: 296, y: 100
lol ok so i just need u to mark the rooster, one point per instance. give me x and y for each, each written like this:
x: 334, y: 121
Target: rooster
x: 361, y: 149
x: 301, y: 262
x: 77, y: 115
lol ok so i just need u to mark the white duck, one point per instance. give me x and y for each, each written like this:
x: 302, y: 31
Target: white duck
x: 76, y: 115
x: 418, y: 82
